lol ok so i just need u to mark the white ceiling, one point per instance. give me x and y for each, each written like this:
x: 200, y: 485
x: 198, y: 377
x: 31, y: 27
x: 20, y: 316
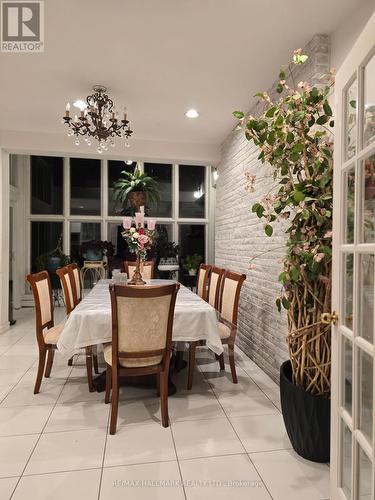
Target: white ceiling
x: 160, y: 57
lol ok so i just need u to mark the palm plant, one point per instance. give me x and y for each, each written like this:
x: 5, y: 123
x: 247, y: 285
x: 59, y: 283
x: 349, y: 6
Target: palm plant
x: 136, y: 187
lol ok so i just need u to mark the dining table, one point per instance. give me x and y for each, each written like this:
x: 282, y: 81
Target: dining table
x: 90, y: 323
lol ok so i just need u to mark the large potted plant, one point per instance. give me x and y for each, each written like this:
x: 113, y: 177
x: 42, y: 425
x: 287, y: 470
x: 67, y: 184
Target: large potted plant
x: 293, y: 136
x: 52, y: 260
x: 137, y: 188
x: 191, y: 263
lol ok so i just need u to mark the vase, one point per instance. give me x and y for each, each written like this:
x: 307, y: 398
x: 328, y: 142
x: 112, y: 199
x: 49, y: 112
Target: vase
x: 53, y: 263
x: 93, y: 254
x: 306, y: 418
x: 192, y: 272
x: 137, y: 276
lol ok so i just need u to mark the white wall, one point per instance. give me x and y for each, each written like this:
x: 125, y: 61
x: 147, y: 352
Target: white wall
x: 4, y: 240
x: 343, y: 39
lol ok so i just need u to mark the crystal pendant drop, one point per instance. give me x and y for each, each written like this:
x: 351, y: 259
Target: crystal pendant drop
x: 76, y: 142
x: 127, y: 145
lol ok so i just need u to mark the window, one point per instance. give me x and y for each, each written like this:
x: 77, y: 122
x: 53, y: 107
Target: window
x: 81, y: 232
x: 192, y: 240
x: 46, y: 185
x: 45, y: 237
x: 114, y: 171
x: 192, y: 187
x: 85, y: 186
x: 163, y: 174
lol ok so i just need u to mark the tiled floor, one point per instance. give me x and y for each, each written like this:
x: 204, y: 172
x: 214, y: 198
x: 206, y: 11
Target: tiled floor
x: 224, y: 440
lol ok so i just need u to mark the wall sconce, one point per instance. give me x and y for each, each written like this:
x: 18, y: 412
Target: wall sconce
x: 215, y: 176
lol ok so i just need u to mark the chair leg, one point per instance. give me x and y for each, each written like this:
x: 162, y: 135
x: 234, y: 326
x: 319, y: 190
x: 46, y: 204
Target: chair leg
x: 220, y: 358
x: 114, y: 405
x: 158, y: 375
x: 108, y: 384
x: 89, y: 368
x: 70, y: 361
x: 51, y: 353
x: 95, y: 360
x: 231, y: 363
x: 191, y: 367
x: 164, y: 398
x: 42, y: 361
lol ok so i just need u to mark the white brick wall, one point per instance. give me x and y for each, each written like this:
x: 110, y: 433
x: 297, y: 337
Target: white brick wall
x: 240, y: 235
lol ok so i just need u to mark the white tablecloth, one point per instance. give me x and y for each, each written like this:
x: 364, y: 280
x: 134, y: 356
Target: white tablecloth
x: 90, y: 322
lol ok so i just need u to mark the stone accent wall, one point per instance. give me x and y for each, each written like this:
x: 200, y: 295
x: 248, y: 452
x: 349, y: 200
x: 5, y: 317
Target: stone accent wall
x: 240, y: 234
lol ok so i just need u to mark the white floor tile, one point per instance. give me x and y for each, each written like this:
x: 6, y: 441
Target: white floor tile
x: 64, y: 451
x: 261, y: 379
x: 157, y: 481
x: 76, y: 485
x: 145, y: 443
x: 14, y: 453
x: 74, y: 392
x: 23, y: 394
x: 290, y: 477
x: 7, y: 486
x: 23, y: 419
x: 224, y: 477
x: 261, y: 433
x: 78, y: 416
x: 194, y: 406
x: 4, y: 390
x: 239, y: 405
x: 11, y: 376
x: 138, y: 411
x: 204, y: 438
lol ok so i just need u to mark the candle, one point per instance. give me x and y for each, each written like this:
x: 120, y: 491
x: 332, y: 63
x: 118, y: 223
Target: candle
x: 139, y: 219
x: 151, y: 224
x: 127, y: 222
x: 125, y: 113
x: 67, y: 109
x: 142, y: 208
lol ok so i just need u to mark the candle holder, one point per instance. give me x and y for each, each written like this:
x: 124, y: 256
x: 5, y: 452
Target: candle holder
x: 137, y: 276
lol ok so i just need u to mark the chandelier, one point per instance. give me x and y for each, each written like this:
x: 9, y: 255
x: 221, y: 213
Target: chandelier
x: 98, y: 120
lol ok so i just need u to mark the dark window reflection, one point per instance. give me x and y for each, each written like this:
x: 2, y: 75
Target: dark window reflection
x: 79, y: 233
x: 46, y: 185
x: 192, y: 189
x: 84, y: 186
x: 192, y: 239
x: 45, y: 238
x: 163, y: 174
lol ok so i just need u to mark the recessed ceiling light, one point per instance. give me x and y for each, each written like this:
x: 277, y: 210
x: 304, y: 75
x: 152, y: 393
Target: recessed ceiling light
x: 80, y: 104
x: 192, y: 113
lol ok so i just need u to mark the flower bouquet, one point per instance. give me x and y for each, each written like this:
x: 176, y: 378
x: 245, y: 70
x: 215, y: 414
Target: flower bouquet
x: 139, y: 239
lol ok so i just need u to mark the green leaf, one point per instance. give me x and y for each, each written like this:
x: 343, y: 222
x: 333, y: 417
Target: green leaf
x: 298, y: 196
x: 353, y: 103
x: 270, y: 112
x: 285, y: 302
x: 268, y: 230
x: 255, y: 207
x: 282, y: 75
x: 294, y: 274
x: 238, y: 114
x: 298, y: 148
x: 279, y: 88
x: 322, y: 120
x: 278, y: 304
x: 327, y: 108
x: 289, y: 138
x: 279, y: 121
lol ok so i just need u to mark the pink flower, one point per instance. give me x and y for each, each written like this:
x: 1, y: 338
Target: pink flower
x: 143, y: 239
x: 319, y: 257
x: 328, y: 234
x: 252, y: 266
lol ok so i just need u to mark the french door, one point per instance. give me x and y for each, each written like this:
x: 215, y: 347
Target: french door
x: 353, y: 338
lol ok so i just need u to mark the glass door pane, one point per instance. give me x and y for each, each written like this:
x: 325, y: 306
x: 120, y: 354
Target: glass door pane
x: 351, y: 120
x: 348, y: 291
x: 365, y: 476
x: 366, y: 299
x: 369, y: 99
x: 346, y: 460
x: 368, y: 209
x: 365, y: 383
x: 347, y: 386
x: 350, y: 198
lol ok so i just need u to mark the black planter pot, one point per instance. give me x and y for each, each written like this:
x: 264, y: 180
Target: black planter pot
x: 306, y: 418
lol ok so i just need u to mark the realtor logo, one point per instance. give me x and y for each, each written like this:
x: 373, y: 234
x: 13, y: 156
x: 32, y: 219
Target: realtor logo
x: 22, y: 26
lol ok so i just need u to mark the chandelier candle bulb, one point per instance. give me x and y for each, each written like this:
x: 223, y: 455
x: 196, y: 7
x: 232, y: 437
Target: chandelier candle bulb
x: 151, y: 224
x: 127, y: 222
x: 139, y: 220
x: 142, y: 209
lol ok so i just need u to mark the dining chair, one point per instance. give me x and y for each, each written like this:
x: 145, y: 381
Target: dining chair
x: 227, y: 327
x: 214, y: 286
x: 142, y: 321
x: 77, y: 283
x: 71, y: 299
x: 202, y: 280
x: 47, y: 333
x: 147, y: 269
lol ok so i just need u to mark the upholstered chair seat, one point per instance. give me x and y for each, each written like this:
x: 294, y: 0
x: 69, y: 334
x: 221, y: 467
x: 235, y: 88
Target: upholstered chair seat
x: 224, y: 331
x: 51, y: 336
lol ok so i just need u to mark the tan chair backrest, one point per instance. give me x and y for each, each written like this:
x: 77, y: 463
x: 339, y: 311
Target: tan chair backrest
x: 230, y: 295
x: 77, y: 284
x: 202, y: 280
x: 214, y: 286
x: 67, y: 283
x: 42, y: 293
x: 147, y: 269
x: 142, y: 320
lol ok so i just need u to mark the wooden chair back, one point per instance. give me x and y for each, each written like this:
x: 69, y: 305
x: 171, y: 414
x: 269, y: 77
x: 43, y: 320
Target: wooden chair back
x: 77, y: 283
x: 42, y: 292
x: 68, y: 286
x: 230, y: 295
x: 214, y: 286
x: 202, y: 280
x: 142, y: 321
x: 147, y: 269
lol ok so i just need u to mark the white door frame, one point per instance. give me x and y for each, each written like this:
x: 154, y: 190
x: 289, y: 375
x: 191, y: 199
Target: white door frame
x: 362, y: 51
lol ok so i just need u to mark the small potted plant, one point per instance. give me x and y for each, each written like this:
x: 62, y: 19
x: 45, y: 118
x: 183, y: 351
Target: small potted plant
x: 137, y: 188
x: 191, y: 263
x: 95, y: 249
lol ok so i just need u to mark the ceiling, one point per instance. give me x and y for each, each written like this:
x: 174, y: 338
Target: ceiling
x: 160, y: 57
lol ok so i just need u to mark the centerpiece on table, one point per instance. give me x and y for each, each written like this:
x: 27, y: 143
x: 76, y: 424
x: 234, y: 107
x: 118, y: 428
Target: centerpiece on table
x: 139, y: 239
